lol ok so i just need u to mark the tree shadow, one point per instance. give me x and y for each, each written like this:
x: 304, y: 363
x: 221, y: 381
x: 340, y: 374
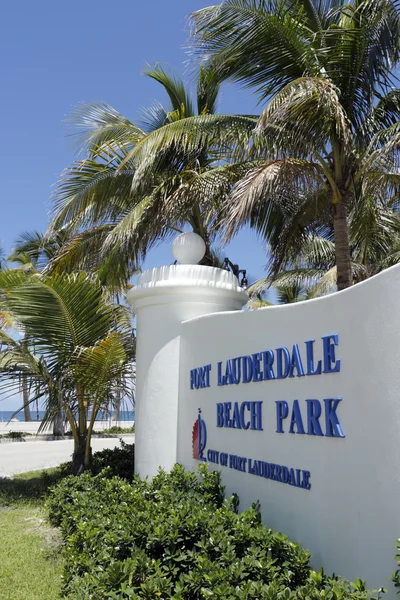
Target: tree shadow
x: 29, y: 487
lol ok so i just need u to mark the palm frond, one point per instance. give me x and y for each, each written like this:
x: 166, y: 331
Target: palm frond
x: 33, y: 250
x: 325, y: 285
x: 175, y: 88
x: 99, y: 367
x: 304, y: 115
x: 61, y: 313
x: 374, y: 231
x: 153, y: 117
x: 208, y: 86
x: 301, y: 278
x: 208, y: 189
x: 93, y: 191
x: 276, y: 183
x: 382, y: 116
x: 257, y: 302
x: 364, y: 49
x: 83, y: 252
x: 99, y: 124
x: 190, y: 134
x: 263, y: 45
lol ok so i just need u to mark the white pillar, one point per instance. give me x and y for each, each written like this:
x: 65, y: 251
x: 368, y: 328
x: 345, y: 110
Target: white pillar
x: 162, y: 299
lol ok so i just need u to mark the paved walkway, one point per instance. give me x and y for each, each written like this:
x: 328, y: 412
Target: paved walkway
x: 18, y: 457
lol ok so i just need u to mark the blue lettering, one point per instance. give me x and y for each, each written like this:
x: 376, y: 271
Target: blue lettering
x: 305, y: 483
x: 331, y: 365
x: 193, y: 378
x: 282, y: 355
x: 313, y: 414
x: 242, y: 407
x: 213, y: 456
x: 296, y: 419
x: 282, y: 411
x: 227, y: 414
x: 220, y: 414
x: 208, y: 369
x: 296, y: 363
x: 333, y: 427
x: 200, y: 378
x: 228, y: 372
x: 298, y: 478
x: 221, y: 379
x: 235, y: 368
x: 285, y: 475
x: 236, y: 422
x: 310, y: 359
x: 257, y: 375
x: 268, y: 357
x: 292, y: 478
x: 247, y: 369
x: 256, y: 416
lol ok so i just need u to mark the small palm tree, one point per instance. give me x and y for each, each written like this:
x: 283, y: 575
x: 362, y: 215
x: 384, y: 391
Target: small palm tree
x: 331, y: 129
x: 32, y: 252
x: 77, y: 352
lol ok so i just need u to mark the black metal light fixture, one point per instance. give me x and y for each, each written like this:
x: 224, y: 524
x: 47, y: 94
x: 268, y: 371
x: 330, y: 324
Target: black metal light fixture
x: 234, y: 268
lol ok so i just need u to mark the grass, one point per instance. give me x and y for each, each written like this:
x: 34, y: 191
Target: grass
x: 30, y: 558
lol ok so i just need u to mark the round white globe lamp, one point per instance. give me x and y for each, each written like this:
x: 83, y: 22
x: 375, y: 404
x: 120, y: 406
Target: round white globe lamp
x: 188, y: 248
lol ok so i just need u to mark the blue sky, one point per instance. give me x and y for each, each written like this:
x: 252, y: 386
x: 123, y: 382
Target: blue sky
x: 56, y: 54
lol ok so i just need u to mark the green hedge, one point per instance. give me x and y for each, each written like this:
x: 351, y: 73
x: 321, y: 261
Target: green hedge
x: 119, y: 461
x: 113, y: 462
x: 175, y: 537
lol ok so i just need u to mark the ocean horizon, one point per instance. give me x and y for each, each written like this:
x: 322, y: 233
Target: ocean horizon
x: 6, y: 415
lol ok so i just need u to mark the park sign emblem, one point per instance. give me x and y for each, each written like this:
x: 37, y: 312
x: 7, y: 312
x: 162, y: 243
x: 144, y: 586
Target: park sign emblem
x: 199, y: 438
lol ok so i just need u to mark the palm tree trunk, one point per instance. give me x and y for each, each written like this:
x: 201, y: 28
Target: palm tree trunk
x: 117, y: 406
x: 58, y: 423
x: 88, y: 449
x: 25, y: 388
x: 342, y: 248
x: 199, y: 228
x: 25, y: 397
x: 78, y: 457
x: 80, y: 440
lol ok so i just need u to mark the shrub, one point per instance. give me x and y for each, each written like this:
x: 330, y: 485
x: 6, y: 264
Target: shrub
x: 15, y: 435
x: 114, y: 462
x: 176, y: 537
x: 118, y: 461
x: 396, y: 574
x: 116, y: 429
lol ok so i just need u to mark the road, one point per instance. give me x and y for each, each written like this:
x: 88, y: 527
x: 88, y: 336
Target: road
x: 18, y: 457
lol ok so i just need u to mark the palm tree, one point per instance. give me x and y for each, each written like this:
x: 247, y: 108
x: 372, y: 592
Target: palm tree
x: 137, y: 185
x: 32, y: 252
x: 374, y: 236
x: 37, y: 249
x: 77, y: 352
x: 331, y: 129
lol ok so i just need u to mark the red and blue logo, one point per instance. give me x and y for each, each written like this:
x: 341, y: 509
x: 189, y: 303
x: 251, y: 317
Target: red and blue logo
x: 199, y: 438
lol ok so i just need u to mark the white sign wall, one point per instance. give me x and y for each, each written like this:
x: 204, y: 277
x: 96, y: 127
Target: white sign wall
x: 320, y: 451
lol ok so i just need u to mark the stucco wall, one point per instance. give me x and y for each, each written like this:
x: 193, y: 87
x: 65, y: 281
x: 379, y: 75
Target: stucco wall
x: 162, y: 299
x: 350, y: 518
